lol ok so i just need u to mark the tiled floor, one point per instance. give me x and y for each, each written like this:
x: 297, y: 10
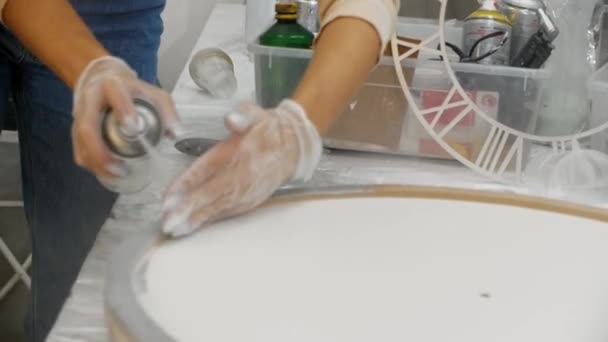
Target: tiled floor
x: 13, y: 230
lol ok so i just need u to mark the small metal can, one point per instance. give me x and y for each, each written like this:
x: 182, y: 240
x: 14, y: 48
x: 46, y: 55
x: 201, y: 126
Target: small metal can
x: 131, y: 146
x: 480, y: 24
x: 212, y: 70
x: 308, y: 15
x: 525, y: 21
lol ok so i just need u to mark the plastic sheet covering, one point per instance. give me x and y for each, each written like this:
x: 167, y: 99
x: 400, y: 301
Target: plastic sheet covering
x: 579, y: 175
x: 567, y: 107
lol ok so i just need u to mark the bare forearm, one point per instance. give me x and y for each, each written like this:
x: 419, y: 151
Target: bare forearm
x: 344, y: 56
x: 55, y: 34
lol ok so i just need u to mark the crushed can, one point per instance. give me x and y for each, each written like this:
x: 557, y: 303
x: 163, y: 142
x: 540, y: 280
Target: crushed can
x: 132, y: 147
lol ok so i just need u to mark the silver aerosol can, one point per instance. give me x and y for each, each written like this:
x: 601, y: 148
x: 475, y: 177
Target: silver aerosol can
x: 525, y: 21
x: 487, y: 32
x: 132, y: 146
x: 308, y: 15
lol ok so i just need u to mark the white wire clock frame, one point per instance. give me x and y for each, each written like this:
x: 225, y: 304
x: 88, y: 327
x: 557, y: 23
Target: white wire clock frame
x: 495, y: 155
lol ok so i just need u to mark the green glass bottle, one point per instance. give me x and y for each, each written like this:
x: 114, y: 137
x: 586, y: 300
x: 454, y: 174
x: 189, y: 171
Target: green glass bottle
x: 286, y: 32
x: 281, y: 71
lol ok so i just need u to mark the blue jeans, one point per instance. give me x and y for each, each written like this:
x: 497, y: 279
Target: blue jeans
x: 65, y: 205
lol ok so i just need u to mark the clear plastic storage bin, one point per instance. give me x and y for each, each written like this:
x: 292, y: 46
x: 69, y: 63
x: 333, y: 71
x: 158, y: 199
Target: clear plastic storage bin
x: 379, y: 119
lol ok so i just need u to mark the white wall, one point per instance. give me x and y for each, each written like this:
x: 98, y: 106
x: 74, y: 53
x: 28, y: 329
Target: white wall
x: 184, y: 21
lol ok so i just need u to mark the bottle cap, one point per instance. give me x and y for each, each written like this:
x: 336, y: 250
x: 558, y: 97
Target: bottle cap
x: 287, y: 11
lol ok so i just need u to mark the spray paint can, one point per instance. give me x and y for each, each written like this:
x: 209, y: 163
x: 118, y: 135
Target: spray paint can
x: 308, y: 15
x: 525, y: 21
x: 481, y: 23
x: 127, y: 146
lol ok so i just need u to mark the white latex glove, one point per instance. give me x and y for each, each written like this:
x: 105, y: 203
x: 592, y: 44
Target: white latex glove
x: 108, y: 82
x: 266, y: 149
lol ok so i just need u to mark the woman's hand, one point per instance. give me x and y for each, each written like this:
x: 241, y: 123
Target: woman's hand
x: 108, y: 82
x: 266, y: 149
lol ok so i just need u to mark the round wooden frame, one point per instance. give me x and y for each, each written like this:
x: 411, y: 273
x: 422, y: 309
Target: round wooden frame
x: 127, y: 321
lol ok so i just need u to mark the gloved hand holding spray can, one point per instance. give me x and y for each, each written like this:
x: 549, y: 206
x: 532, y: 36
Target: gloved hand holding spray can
x: 133, y: 145
x: 114, y: 129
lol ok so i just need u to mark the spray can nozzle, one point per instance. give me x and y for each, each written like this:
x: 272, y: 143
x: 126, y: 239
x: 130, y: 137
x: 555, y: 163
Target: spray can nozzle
x: 123, y: 137
x: 133, y: 126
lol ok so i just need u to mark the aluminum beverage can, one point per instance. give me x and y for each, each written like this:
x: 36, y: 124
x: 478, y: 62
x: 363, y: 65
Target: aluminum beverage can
x: 480, y: 24
x: 308, y: 15
x: 525, y: 21
x: 127, y: 147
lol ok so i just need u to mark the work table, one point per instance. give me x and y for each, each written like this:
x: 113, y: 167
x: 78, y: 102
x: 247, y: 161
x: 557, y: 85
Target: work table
x: 82, y: 317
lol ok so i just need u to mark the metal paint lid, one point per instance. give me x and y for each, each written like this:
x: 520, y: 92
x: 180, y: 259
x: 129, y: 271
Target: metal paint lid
x: 126, y: 144
x: 528, y: 4
x: 199, y: 59
x: 207, y: 53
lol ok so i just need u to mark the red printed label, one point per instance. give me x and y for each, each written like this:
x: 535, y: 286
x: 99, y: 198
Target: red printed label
x: 434, y: 99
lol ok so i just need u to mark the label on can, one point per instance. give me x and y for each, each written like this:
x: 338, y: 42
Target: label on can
x: 476, y: 29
